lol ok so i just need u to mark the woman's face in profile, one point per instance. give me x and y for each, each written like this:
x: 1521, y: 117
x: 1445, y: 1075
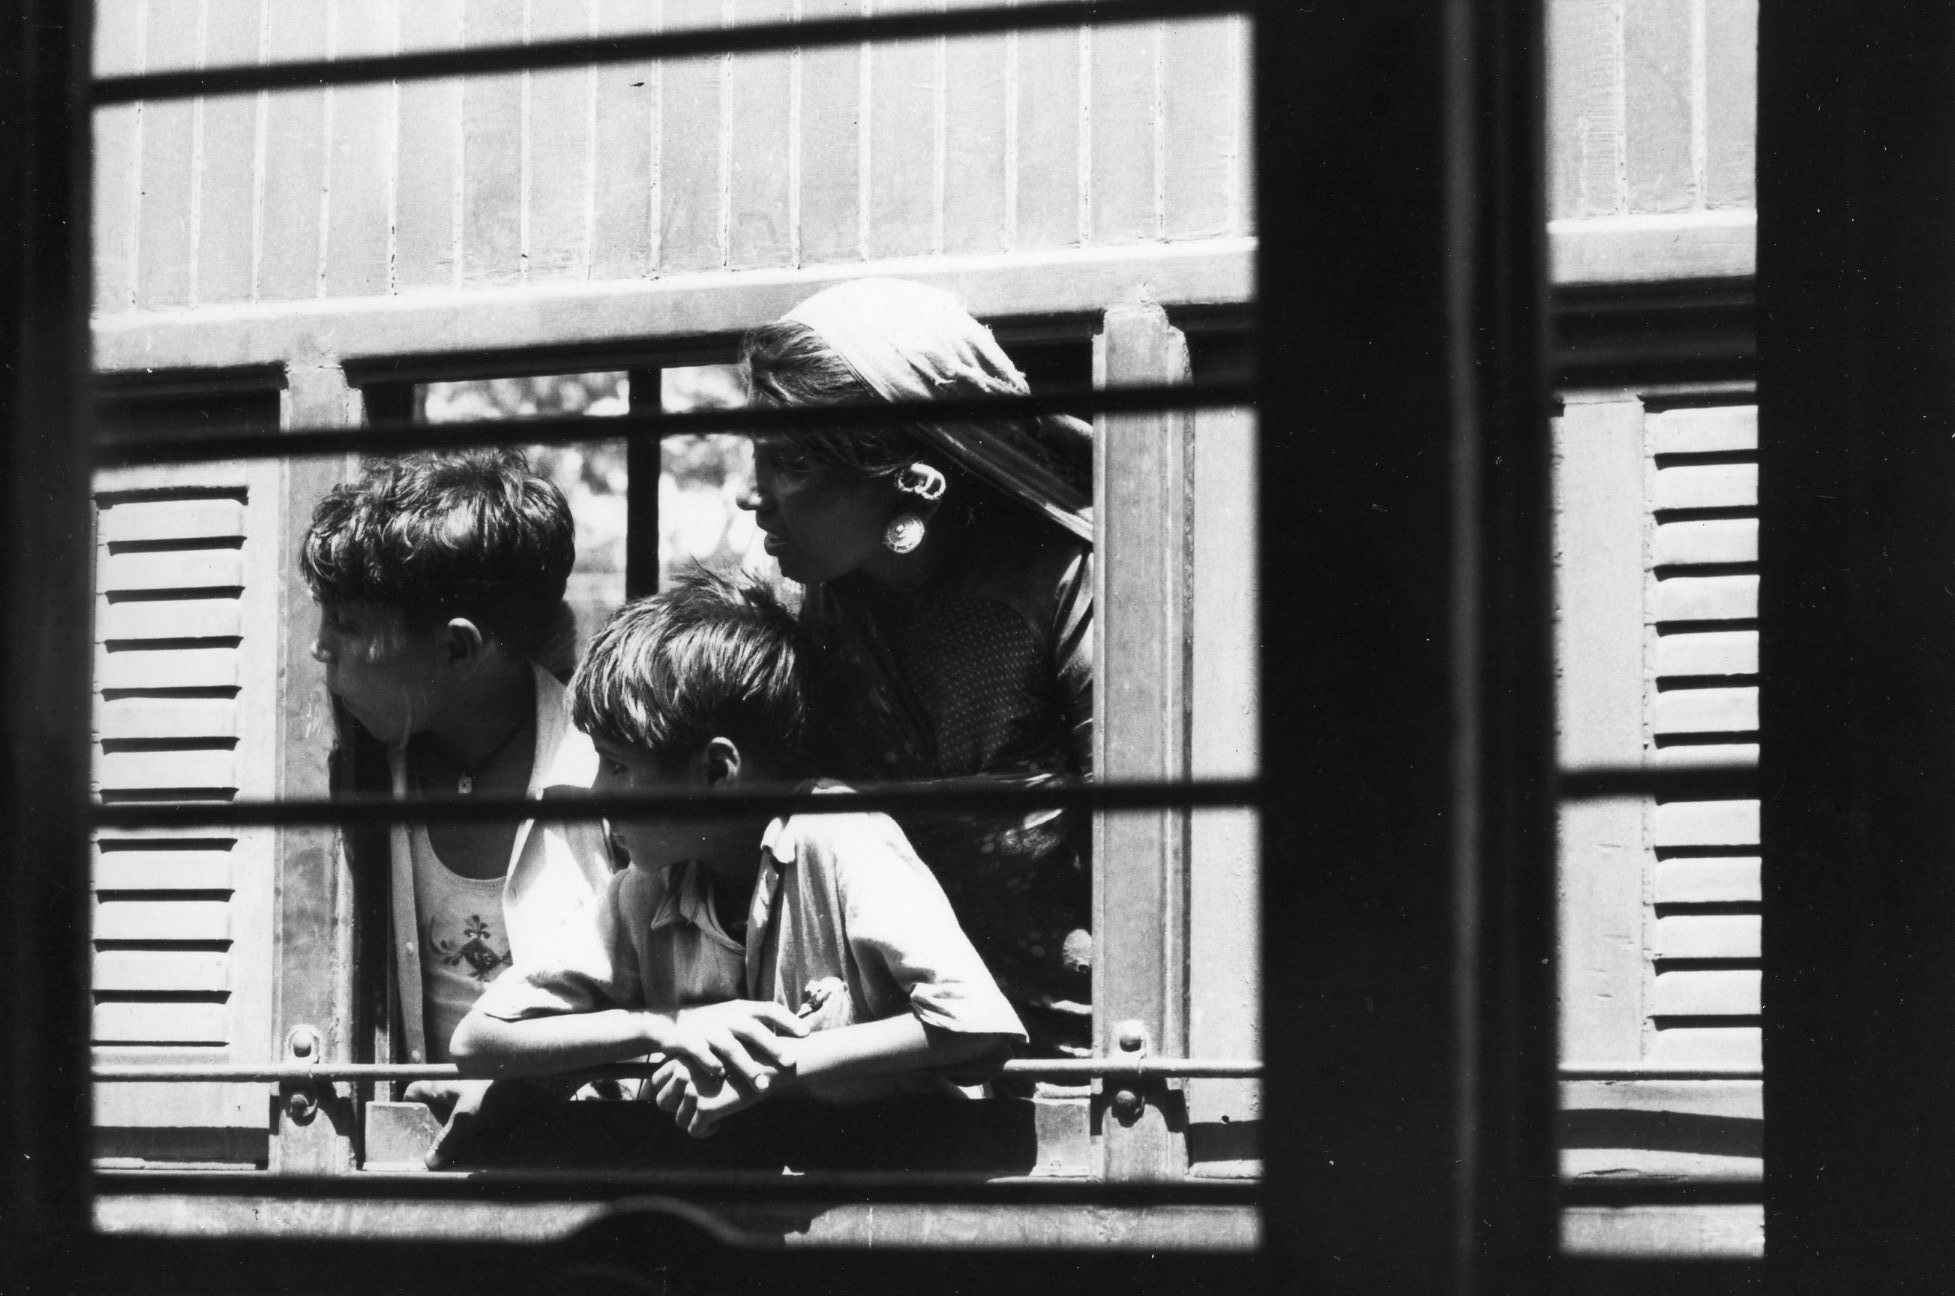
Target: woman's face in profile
x: 820, y: 524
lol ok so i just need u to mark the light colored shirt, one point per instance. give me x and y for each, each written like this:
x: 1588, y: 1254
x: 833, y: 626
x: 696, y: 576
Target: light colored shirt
x: 837, y: 896
x: 556, y: 868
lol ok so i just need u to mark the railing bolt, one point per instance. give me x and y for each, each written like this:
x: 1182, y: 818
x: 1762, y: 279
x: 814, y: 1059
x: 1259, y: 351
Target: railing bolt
x: 303, y: 1041
x: 1131, y: 1036
x: 1127, y: 1105
x: 300, y: 1105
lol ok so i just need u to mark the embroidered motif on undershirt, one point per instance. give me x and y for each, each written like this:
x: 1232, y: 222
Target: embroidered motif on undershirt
x: 464, y: 941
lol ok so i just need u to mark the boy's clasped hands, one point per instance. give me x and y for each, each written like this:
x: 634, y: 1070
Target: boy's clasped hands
x: 723, y: 1058
x: 726, y: 1057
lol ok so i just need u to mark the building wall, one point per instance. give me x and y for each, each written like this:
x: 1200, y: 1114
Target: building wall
x: 994, y: 145
x: 1652, y: 119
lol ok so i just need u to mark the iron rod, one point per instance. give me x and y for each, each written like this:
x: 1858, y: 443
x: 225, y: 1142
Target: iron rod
x: 380, y: 809
x: 1031, y: 1068
x: 200, y: 444
x: 1040, y: 15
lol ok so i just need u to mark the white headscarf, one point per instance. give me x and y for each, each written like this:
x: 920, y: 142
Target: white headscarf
x: 907, y: 341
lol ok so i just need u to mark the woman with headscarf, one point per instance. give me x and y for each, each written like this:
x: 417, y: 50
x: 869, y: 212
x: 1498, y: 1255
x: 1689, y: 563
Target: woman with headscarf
x: 948, y: 574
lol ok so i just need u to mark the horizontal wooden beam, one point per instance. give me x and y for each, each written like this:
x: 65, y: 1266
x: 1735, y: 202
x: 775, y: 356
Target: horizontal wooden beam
x: 640, y: 322
x: 1160, y: 1227
x: 1652, y: 248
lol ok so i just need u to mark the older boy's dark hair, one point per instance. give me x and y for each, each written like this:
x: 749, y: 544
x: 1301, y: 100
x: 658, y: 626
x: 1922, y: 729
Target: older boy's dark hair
x: 716, y: 655
x: 472, y: 533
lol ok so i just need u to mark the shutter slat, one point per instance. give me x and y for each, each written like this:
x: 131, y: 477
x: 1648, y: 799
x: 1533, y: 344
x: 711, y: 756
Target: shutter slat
x: 1708, y: 1048
x: 167, y: 718
x: 162, y: 970
x: 163, y: 870
x: 168, y: 619
x: 1707, y: 936
x: 219, y: 474
x: 154, y: 668
x: 1705, y: 598
x: 1695, y: 486
x: 1705, y: 823
x: 1707, y: 994
x: 179, y: 569
x: 204, y: 519
x: 1708, y: 881
x: 162, y: 1023
x: 148, y: 770
x: 1717, y: 652
x: 1694, y: 755
x: 1703, y: 431
x: 153, y: 920
x: 1708, y: 710
x: 1726, y: 540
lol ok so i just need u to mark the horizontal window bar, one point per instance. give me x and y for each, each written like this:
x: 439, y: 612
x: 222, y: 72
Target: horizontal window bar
x: 1032, y: 1068
x: 973, y: 796
x: 1652, y: 1191
x: 1682, y: 783
x: 197, y: 444
x: 1664, y: 1074
x: 1035, y: 16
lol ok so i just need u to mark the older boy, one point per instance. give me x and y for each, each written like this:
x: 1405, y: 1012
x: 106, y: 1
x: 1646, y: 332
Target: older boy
x: 722, y: 927
x: 440, y: 582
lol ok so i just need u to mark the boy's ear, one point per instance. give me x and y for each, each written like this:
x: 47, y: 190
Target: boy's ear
x: 465, y: 642
x: 722, y: 764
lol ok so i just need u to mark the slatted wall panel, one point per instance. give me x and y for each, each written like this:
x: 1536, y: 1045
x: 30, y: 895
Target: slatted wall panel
x: 950, y: 147
x: 184, y: 662
x: 1702, y: 922
x: 1657, y: 649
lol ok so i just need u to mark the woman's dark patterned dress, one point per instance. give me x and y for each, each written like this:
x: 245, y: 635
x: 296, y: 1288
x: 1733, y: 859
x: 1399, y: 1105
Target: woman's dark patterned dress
x: 986, y: 672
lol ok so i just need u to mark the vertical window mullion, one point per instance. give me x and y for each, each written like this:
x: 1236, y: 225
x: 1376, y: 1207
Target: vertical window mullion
x: 1140, y: 858
x: 644, y: 458
x: 313, y: 937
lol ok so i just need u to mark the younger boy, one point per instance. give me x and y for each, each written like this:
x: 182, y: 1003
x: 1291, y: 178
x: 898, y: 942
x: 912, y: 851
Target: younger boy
x: 722, y: 928
x: 440, y: 583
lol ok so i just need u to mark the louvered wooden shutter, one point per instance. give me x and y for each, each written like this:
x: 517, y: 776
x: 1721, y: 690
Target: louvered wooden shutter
x: 1703, y: 917
x: 185, y: 680
x: 1657, y: 649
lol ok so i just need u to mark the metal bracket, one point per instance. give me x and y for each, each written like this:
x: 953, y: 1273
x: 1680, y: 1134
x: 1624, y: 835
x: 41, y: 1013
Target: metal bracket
x: 300, y: 1097
x: 1127, y: 1100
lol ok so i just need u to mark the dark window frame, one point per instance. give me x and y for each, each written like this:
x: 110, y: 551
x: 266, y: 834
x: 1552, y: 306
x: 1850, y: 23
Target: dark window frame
x: 1421, y: 120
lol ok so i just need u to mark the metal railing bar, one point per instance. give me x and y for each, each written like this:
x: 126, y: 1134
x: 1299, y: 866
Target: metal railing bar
x: 1663, y: 1076
x: 1731, y: 1189
x: 200, y: 444
x: 1038, y: 15
x: 374, y: 809
x: 1025, y: 1068
x: 1683, y: 782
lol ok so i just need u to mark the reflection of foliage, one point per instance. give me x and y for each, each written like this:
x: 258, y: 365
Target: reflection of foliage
x: 701, y: 478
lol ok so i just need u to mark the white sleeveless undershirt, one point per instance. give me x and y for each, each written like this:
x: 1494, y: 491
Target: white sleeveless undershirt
x: 464, y: 943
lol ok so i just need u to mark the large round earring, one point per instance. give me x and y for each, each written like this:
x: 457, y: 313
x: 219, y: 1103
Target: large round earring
x: 922, y: 480
x: 903, y: 534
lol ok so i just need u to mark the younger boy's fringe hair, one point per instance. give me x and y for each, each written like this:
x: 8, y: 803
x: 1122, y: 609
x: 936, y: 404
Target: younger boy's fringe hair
x: 473, y: 533
x: 716, y: 655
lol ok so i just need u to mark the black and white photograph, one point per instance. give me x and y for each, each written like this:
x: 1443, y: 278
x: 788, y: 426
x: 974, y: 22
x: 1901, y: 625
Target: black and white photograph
x: 820, y: 645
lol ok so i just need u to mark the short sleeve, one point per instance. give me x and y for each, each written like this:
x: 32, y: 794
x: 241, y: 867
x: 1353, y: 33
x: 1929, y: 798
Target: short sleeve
x: 899, y: 921
x: 585, y: 964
